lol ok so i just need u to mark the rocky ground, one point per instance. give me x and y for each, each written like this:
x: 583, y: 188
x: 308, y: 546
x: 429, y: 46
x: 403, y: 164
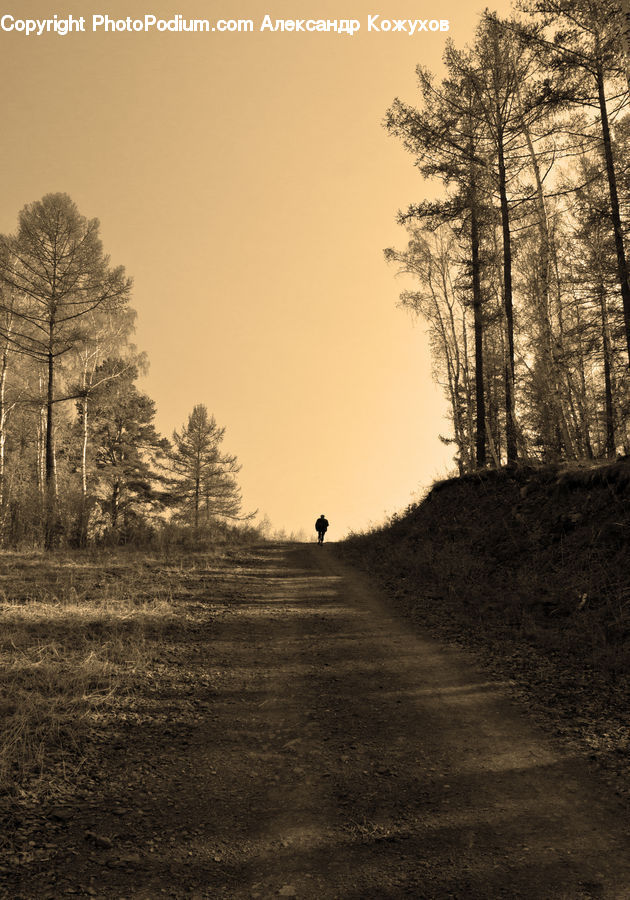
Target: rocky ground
x: 294, y: 737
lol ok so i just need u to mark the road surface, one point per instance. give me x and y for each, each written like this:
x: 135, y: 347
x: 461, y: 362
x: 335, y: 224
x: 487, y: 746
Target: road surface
x: 334, y: 752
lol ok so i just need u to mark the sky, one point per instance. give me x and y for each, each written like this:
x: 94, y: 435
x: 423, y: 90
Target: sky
x: 247, y: 184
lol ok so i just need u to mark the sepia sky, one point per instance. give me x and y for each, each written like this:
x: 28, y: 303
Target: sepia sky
x: 246, y: 183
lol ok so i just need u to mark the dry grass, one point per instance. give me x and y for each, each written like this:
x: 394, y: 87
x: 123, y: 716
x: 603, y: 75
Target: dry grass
x: 78, y: 632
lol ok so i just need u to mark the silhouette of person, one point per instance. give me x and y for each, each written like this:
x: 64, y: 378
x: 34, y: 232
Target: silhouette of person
x: 320, y: 527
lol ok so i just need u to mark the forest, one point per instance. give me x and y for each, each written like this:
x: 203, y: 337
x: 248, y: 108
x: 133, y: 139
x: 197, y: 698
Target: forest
x: 520, y: 266
x: 81, y: 459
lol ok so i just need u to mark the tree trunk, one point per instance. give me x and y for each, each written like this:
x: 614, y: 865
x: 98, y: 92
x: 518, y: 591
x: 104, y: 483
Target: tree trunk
x: 3, y: 409
x: 622, y: 265
x: 480, y: 397
x: 49, y: 495
x: 82, y: 536
x: 55, y: 478
x: 41, y: 454
x: 510, y: 424
x: 545, y: 319
x: 611, y: 442
x: 581, y: 395
x: 3, y: 421
x: 493, y: 451
x: 114, y: 504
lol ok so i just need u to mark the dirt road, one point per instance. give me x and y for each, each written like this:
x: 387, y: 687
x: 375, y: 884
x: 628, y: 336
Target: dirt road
x: 325, y: 750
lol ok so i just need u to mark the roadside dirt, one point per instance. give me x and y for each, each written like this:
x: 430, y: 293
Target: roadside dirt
x: 303, y: 741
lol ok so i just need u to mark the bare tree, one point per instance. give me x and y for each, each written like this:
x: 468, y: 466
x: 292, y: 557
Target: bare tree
x: 429, y: 258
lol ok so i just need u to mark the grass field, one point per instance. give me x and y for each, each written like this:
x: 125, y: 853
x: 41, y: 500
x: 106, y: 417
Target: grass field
x: 80, y: 632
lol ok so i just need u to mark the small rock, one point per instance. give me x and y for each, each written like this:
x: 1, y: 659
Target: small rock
x: 287, y: 891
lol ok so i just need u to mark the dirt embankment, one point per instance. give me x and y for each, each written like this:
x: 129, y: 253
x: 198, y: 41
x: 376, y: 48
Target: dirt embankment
x: 530, y: 567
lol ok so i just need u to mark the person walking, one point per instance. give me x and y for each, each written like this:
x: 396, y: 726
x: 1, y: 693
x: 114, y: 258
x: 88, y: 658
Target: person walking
x: 320, y: 527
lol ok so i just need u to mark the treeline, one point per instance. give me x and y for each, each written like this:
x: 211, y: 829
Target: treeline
x: 80, y: 457
x: 522, y: 264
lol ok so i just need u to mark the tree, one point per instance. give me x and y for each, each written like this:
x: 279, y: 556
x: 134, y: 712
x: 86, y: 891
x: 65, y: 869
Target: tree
x: 108, y: 335
x: 537, y: 251
x: 7, y: 303
x: 597, y: 290
x: 429, y: 258
x: 586, y: 56
x: 445, y: 137
x: 202, y: 473
x: 471, y: 133
x: 57, y: 267
x: 495, y: 69
x: 127, y: 449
